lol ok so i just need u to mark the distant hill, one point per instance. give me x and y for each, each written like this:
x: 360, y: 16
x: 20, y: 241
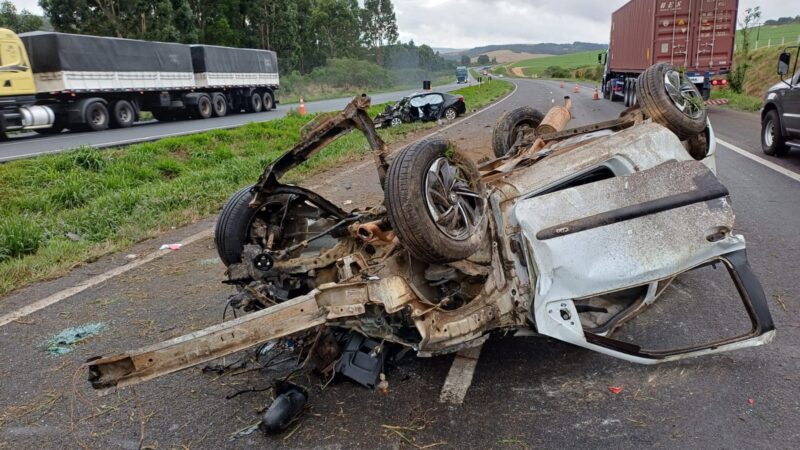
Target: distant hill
x: 536, y: 49
x: 444, y: 50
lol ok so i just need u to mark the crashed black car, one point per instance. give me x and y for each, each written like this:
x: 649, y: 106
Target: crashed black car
x: 422, y: 106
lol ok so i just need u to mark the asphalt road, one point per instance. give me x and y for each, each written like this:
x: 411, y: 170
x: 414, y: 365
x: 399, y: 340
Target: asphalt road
x: 527, y: 392
x: 30, y: 144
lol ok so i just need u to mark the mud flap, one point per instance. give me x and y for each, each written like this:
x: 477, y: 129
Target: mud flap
x: 632, y: 231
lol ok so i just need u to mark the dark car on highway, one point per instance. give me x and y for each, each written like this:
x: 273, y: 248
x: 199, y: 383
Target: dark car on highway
x: 780, y: 116
x: 422, y: 106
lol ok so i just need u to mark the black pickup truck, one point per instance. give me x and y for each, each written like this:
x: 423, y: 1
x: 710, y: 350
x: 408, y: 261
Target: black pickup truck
x: 780, y: 115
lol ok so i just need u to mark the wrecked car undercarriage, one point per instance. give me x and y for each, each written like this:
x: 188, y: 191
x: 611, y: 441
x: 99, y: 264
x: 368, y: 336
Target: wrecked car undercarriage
x: 568, y: 233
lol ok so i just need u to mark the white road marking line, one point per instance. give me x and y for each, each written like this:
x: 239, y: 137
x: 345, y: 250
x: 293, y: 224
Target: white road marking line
x: 459, y: 378
x: 94, y: 281
x: 762, y: 161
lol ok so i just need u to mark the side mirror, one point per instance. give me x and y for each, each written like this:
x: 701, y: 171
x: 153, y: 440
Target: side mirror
x: 783, y: 63
x: 599, y: 58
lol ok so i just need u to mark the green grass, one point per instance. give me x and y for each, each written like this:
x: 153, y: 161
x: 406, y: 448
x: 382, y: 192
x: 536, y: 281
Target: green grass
x: 570, y: 61
x: 772, y: 35
x: 58, y: 211
x: 742, y: 102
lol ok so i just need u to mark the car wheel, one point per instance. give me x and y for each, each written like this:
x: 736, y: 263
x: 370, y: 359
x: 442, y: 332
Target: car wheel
x: 269, y: 101
x: 255, y: 103
x: 219, y: 104
x: 235, y: 223
x: 122, y: 114
x: 511, y: 125
x: 773, y: 143
x: 436, y: 202
x: 671, y: 99
x: 96, y: 117
x: 450, y: 114
x: 396, y: 122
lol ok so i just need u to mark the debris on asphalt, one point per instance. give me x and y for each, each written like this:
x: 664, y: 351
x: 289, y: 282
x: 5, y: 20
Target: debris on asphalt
x: 290, y: 399
x: 383, y: 385
x: 347, y: 202
x: 751, y: 401
x: 616, y: 389
x: 64, y: 342
x: 170, y: 247
x: 131, y: 256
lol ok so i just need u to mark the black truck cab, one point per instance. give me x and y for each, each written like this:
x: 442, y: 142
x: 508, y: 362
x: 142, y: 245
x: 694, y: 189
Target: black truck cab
x: 780, y: 115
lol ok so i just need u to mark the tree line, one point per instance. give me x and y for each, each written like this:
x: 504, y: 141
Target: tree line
x: 304, y: 33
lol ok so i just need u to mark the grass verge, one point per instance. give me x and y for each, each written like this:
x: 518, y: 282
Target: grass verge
x: 741, y: 102
x: 58, y: 211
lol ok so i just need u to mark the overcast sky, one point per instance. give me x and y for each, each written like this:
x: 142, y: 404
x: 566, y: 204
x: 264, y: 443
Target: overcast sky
x: 472, y: 23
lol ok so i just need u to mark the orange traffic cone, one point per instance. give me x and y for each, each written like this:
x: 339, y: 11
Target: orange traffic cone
x: 562, y: 85
x: 596, y: 95
x: 577, y: 89
x: 302, y: 107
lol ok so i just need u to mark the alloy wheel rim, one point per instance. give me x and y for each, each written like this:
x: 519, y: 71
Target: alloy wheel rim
x: 450, y: 114
x: 454, y: 206
x: 683, y: 94
x: 396, y: 121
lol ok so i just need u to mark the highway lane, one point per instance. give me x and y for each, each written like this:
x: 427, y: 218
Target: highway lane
x: 31, y: 144
x: 527, y: 392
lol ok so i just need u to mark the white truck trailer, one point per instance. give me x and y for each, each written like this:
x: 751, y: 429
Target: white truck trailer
x: 52, y: 81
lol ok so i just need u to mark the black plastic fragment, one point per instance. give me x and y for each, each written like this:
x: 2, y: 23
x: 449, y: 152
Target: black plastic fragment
x: 288, y: 404
x: 362, y: 360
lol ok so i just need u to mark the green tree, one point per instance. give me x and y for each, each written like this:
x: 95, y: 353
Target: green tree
x: 379, y: 26
x: 19, y: 22
x: 483, y: 60
x: 465, y: 60
x: 739, y: 73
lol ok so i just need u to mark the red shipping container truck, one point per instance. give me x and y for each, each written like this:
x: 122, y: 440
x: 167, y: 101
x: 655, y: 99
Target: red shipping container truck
x: 693, y: 35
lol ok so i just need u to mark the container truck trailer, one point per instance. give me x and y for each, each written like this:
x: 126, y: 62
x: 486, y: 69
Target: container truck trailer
x: 696, y: 36
x: 55, y: 81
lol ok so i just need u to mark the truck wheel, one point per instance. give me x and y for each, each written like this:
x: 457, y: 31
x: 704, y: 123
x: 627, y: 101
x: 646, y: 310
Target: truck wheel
x: 122, y: 114
x: 268, y: 101
x: 607, y: 91
x: 671, y: 99
x: 203, y: 109
x: 773, y: 143
x: 626, y: 94
x: 436, y: 202
x: 254, y: 104
x: 511, y: 125
x: 96, y: 116
x: 219, y: 104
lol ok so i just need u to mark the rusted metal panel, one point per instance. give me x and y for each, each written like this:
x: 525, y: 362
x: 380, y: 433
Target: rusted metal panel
x: 694, y: 34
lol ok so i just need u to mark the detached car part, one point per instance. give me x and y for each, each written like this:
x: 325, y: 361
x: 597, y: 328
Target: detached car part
x: 530, y: 241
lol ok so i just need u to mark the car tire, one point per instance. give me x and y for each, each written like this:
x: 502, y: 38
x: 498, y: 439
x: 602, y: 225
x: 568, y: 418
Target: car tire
x: 219, y: 105
x: 670, y: 99
x: 95, y: 117
x: 425, y: 180
x: 232, y: 230
x: 395, y: 122
x: 268, y: 101
x: 122, y: 114
x: 510, y: 124
x: 255, y: 103
x: 773, y: 143
x: 450, y: 114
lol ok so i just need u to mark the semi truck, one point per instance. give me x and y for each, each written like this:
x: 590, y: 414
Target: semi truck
x: 462, y: 76
x: 54, y: 81
x: 696, y: 36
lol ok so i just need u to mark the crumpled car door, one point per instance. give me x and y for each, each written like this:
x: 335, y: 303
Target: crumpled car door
x: 639, y: 230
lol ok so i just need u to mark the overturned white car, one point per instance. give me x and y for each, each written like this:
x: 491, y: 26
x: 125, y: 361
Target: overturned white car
x: 567, y: 233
